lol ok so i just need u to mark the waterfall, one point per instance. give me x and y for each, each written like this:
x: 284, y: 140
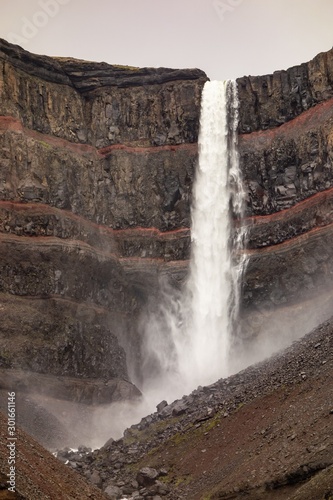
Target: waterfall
x: 189, y: 337
x: 187, y: 334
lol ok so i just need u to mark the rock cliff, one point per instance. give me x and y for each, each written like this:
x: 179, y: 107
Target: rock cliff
x: 97, y: 165
x: 286, y: 156
x: 272, y: 100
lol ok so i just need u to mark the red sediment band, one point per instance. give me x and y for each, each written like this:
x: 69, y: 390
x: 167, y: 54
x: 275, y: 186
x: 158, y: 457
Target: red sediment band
x: 292, y: 242
x: 310, y: 118
x: 82, y: 246
x: 312, y: 201
x: 5, y: 298
x: 13, y: 124
x: 189, y: 147
x: 53, y: 241
x: 152, y: 232
x: 41, y: 208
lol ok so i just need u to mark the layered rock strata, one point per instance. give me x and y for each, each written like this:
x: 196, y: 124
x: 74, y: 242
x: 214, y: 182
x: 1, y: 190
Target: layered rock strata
x: 268, y: 101
x: 96, y: 172
x: 289, y: 175
x: 287, y: 163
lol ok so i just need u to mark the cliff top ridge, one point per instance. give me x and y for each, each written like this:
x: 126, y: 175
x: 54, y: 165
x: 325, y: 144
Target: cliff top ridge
x: 86, y: 75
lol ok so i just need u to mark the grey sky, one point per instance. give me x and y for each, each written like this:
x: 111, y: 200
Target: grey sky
x: 225, y: 38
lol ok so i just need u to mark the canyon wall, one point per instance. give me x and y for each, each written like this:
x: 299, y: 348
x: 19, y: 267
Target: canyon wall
x: 286, y: 134
x: 97, y: 163
x: 96, y: 170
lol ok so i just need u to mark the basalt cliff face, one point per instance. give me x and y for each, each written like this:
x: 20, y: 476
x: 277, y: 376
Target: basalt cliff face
x: 286, y: 133
x: 97, y: 165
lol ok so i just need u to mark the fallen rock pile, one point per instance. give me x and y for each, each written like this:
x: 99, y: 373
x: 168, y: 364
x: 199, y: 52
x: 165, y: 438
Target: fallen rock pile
x: 115, y: 468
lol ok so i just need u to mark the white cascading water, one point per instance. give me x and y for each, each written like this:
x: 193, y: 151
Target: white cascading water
x: 213, y: 283
x: 189, y: 337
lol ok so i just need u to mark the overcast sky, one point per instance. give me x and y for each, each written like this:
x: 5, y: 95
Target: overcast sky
x: 225, y: 38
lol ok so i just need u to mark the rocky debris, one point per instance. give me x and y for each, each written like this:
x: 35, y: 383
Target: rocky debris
x: 161, y: 406
x: 68, y: 454
x: 206, y: 408
x: 39, y: 475
x: 179, y: 408
x: 147, y: 476
x: 113, y: 492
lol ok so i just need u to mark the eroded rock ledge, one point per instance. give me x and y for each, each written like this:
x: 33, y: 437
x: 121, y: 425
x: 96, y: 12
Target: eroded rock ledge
x: 86, y: 75
x: 100, y: 104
